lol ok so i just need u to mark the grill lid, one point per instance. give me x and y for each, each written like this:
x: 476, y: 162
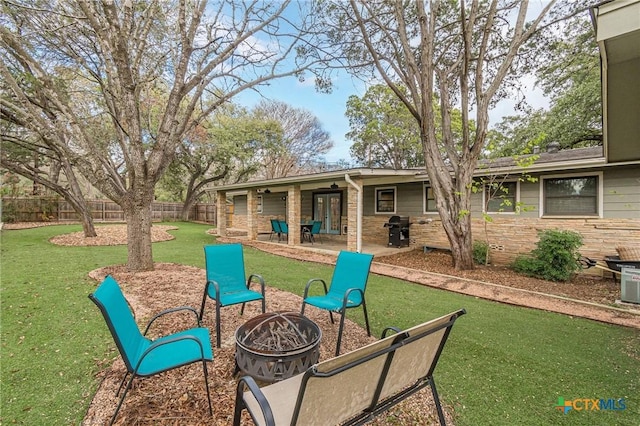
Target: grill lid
x: 402, y: 221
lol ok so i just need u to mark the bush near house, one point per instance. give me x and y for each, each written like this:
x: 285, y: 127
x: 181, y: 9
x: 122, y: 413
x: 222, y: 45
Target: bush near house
x: 554, y: 259
x: 481, y: 252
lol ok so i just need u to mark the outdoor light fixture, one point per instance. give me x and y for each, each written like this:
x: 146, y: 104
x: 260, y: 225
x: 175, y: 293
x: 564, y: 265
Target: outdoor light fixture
x: 267, y: 191
x: 334, y: 186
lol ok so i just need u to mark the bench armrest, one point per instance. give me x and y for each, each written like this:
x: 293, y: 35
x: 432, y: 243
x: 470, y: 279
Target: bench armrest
x: 388, y: 329
x: 250, y: 383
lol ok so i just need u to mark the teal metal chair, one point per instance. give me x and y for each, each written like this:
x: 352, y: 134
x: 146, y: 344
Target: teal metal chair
x: 144, y: 357
x: 348, y: 285
x: 315, y: 230
x: 226, y: 280
x: 284, y: 228
x: 275, y: 229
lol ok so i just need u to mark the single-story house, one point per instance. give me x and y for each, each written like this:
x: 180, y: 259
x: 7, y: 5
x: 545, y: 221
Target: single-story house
x: 594, y: 191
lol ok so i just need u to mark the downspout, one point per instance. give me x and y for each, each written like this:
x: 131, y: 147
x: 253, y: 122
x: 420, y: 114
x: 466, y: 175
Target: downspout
x: 347, y: 178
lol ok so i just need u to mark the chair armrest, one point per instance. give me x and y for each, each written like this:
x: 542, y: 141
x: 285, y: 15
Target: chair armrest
x: 348, y: 292
x: 156, y: 345
x: 253, y: 387
x: 311, y: 281
x: 169, y: 311
x: 259, y: 279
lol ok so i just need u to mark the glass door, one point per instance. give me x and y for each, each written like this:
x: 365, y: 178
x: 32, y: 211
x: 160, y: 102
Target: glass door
x: 327, y: 209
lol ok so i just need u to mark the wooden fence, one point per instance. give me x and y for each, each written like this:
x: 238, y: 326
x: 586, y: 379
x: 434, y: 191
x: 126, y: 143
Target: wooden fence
x: 44, y: 209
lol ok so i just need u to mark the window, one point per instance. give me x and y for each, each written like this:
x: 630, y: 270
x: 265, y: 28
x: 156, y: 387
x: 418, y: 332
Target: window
x: 385, y: 200
x: 501, y: 197
x: 429, y: 200
x: 571, y: 195
x: 259, y: 203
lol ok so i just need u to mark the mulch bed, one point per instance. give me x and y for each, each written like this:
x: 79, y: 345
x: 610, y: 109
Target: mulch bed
x: 178, y: 397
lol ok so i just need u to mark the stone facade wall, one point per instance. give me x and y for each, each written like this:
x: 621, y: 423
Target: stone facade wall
x: 264, y: 222
x: 511, y: 236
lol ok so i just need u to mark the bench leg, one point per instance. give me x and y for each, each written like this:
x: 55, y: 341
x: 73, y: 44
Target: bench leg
x: 436, y: 399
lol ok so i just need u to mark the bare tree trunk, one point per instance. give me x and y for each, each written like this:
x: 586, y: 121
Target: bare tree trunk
x: 137, y: 213
x: 186, y: 208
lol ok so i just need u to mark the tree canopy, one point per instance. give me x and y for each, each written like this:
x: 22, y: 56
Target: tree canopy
x: 85, y: 76
x: 460, y: 53
x: 567, y: 68
x: 301, y: 143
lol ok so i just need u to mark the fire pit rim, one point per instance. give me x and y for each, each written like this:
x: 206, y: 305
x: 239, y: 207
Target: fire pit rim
x: 278, y: 314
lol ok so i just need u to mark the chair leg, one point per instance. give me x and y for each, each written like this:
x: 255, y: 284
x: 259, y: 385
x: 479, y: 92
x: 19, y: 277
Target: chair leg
x: 344, y: 312
x: 124, y: 378
x: 126, y: 389
x: 218, y: 324
x: 206, y: 385
x: 204, y: 300
x: 436, y: 399
x: 331, y: 316
x: 366, y: 317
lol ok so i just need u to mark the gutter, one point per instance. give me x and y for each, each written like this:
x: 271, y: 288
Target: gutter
x: 347, y: 178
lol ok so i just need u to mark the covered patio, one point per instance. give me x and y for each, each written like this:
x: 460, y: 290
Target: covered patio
x: 335, y: 198
x: 331, y: 244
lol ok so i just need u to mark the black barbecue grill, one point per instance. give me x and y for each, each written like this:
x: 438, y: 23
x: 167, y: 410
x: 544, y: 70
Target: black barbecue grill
x: 398, y: 227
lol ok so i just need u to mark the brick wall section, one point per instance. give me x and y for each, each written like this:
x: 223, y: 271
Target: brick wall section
x: 510, y: 236
x: 221, y: 214
x: 294, y: 198
x: 352, y: 212
x: 251, y: 219
x: 263, y: 222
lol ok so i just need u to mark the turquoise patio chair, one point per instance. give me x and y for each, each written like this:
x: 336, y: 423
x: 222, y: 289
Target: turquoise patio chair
x: 348, y: 285
x: 226, y: 280
x: 284, y: 228
x: 315, y: 230
x: 275, y: 229
x: 144, y: 357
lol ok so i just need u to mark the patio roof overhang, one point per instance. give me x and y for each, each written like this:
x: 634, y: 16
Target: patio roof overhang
x: 323, y: 179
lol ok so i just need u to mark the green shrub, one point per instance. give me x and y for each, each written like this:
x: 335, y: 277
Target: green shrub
x: 554, y: 259
x: 481, y: 252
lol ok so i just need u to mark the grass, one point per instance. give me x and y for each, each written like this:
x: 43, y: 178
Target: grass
x: 503, y: 365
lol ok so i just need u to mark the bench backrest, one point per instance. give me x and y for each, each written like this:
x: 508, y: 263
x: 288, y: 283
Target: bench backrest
x: 342, y: 387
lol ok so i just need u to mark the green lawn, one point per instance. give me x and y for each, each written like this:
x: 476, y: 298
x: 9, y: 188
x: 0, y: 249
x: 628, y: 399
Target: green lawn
x: 503, y: 365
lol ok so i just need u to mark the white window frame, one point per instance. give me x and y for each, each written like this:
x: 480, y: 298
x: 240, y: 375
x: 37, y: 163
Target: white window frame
x: 424, y: 199
x: 600, y: 201
x: 395, y: 199
x: 517, y: 197
x: 260, y: 204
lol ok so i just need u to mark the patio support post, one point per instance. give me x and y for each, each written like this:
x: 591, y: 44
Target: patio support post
x: 294, y: 201
x: 221, y: 212
x: 354, y: 214
x: 252, y: 214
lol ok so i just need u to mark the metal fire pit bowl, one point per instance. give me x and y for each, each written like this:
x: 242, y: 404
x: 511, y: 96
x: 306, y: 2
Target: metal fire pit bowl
x: 278, y: 345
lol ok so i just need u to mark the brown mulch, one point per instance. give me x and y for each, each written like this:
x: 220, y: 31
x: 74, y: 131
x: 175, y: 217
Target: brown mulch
x: 178, y: 397
x: 110, y: 235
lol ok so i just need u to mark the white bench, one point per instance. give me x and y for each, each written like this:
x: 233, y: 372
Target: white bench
x: 354, y: 387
